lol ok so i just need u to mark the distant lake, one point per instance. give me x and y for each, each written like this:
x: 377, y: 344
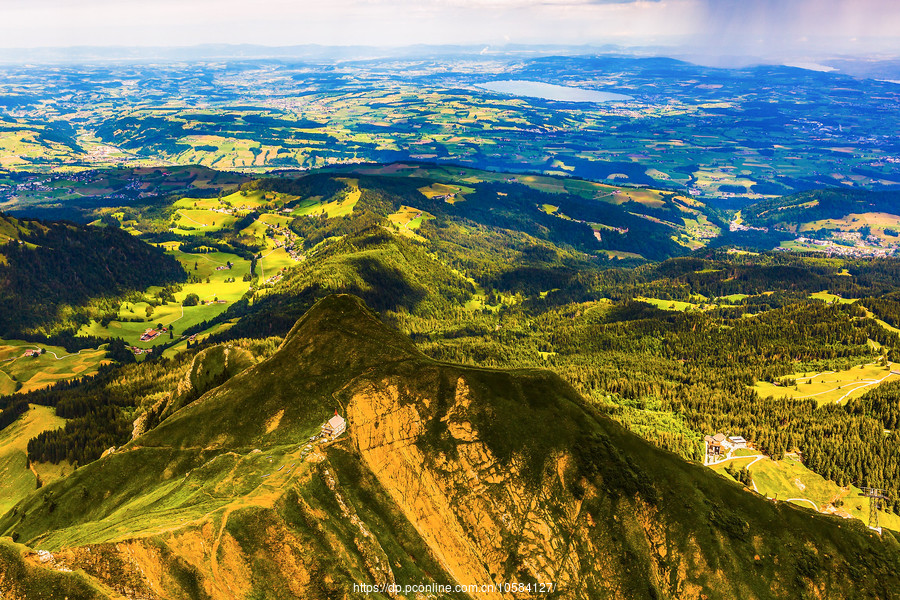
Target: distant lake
x: 548, y: 91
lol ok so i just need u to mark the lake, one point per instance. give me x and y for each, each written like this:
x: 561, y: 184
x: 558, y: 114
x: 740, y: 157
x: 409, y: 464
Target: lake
x: 548, y: 91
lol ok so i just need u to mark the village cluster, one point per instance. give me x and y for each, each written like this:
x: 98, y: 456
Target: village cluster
x: 851, y: 244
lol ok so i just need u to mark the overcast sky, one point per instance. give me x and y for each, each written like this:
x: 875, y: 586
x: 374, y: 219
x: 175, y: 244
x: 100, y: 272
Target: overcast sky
x: 724, y: 26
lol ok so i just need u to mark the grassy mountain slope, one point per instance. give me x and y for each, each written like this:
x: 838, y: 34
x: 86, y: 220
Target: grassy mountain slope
x: 447, y: 474
x: 16, y: 479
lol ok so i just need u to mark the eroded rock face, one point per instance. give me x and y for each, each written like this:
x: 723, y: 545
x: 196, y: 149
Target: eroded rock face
x: 479, y: 517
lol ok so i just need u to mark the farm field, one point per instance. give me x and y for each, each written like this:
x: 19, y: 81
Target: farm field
x: 830, y: 386
x: 16, y: 480
x: 131, y: 319
x: 408, y: 219
x: 36, y: 372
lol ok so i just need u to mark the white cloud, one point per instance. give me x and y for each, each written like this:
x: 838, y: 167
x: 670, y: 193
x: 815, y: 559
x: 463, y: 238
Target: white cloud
x: 723, y: 24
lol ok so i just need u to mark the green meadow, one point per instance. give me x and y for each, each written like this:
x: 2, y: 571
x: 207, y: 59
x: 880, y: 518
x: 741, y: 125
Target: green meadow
x: 790, y: 480
x: 829, y: 386
x: 19, y: 372
x: 16, y: 480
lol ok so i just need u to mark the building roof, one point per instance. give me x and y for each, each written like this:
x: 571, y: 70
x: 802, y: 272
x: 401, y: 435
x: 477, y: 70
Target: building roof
x: 336, y: 422
x: 719, y: 437
x: 737, y: 439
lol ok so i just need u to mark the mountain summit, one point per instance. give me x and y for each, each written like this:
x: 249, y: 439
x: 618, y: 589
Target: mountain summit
x: 446, y: 474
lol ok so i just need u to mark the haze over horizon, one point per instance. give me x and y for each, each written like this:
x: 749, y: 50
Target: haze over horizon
x: 772, y: 28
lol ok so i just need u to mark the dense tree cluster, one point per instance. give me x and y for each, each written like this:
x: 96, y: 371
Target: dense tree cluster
x: 61, y: 264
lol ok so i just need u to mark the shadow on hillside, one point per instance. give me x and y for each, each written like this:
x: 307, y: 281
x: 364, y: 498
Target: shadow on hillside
x: 387, y: 288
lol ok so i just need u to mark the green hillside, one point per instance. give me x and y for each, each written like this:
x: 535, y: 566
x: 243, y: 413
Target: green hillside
x: 47, y: 268
x: 447, y: 474
x: 819, y: 205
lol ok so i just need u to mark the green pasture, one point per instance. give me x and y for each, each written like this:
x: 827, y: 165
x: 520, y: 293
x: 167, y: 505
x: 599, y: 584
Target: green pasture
x: 16, y: 480
x: 199, y: 491
x: 790, y: 480
x: 408, y: 219
x: 698, y: 303
x: 342, y: 204
x: 208, y: 262
x: 275, y: 219
x: 828, y: 297
x: 255, y: 199
x: 621, y: 255
x: 197, y: 203
x: 829, y: 386
x: 206, y: 219
x: 855, y: 221
x: 455, y: 193
x: 272, y: 262
x: 255, y: 229
x: 183, y: 344
x: 35, y: 372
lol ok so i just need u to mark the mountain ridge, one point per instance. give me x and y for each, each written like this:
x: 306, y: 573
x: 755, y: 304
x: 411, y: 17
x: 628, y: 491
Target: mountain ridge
x: 447, y: 473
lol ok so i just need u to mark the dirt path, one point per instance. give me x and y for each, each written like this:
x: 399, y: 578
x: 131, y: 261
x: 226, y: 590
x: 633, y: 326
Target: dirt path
x: 803, y: 500
x: 190, y: 219
x: 725, y: 460
x: 839, y: 400
x: 214, y: 551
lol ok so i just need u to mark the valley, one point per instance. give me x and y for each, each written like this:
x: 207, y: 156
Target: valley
x: 754, y: 133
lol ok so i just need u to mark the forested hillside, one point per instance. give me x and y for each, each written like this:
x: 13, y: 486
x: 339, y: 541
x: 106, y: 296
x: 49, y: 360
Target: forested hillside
x: 46, y: 267
x: 817, y: 205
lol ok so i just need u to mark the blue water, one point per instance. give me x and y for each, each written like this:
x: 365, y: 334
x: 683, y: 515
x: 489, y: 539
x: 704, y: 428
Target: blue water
x: 548, y: 91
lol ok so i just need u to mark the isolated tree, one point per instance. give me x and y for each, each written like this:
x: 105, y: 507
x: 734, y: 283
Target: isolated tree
x: 191, y: 299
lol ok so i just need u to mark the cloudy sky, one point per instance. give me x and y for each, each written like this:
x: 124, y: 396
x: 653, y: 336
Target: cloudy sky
x: 725, y: 26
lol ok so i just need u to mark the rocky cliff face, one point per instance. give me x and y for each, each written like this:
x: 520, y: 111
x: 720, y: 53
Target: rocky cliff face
x: 477, y: 515
x: 598, y: 514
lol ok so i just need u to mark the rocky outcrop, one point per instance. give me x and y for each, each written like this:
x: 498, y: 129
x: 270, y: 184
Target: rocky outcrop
x: 479, y: 517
